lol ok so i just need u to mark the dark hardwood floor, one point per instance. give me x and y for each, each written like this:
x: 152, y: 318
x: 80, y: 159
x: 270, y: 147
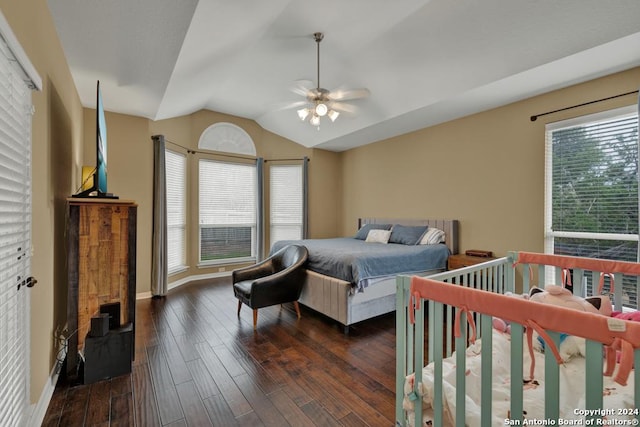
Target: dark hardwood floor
x: 198, y: 364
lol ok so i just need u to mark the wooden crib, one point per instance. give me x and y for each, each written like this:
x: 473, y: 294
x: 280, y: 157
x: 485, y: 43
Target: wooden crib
x: 430, y: 309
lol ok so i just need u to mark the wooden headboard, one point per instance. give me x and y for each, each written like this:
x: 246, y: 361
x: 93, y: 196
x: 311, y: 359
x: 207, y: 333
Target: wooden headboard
x: 449, y: 226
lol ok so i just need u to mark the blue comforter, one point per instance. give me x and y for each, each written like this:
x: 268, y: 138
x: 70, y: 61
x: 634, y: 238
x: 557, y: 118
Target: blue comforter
x: 355, y: 260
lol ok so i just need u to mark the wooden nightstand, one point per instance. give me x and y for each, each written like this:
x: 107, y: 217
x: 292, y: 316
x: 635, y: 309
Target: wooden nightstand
x: 461, y: 260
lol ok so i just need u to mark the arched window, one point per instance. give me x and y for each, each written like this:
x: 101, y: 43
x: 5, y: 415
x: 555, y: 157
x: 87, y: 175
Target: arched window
x: 227, y: 138
x: 228, y: 191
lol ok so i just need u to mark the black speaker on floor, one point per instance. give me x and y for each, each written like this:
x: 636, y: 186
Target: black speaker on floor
x: 99, y: 325
x: 108, y: 356
x: 113, y: 310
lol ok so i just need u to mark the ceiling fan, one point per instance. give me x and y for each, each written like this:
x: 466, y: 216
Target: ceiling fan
x: 322, y: 102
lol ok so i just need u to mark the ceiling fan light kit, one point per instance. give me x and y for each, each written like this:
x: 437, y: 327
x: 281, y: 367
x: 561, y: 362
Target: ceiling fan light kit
x: 303, y: 113
x: 321, y: 100
x: 321, y: 109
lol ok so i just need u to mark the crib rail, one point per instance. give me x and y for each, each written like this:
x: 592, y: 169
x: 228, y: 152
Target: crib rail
x: 496, y: 276
x: 581, y: 273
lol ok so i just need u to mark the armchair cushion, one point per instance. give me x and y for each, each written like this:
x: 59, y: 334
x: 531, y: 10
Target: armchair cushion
x: 243, y: 288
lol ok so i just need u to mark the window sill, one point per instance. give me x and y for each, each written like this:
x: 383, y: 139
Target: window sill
x: 177, y: 270
x: 225, y: 262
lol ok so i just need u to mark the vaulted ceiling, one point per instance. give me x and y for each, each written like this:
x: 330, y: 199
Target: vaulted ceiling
x: 424, y: 62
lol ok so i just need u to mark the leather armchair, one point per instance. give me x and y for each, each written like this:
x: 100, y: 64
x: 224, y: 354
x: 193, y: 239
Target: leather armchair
x: 276, y: 280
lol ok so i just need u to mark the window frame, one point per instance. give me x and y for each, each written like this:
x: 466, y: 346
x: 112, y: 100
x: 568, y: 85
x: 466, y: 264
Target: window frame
x: 300, y: 168
x: 548, y: 196
x: 184, y: 265
x: 549, y: 234
x: 254, y: 226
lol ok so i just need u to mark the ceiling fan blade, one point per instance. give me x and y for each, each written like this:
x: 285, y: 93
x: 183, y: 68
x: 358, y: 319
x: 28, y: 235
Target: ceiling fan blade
x: 289, y: 105
x: 348, y: 94
x: 343, y: 107
x: 302, y: 87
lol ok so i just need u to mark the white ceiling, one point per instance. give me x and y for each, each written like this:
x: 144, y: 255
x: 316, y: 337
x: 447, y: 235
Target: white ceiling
x: 424, y: 62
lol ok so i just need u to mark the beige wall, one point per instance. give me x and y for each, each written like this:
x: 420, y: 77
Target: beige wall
x: 487, y: 170
x: 325, y: 194
x: 57, y: 152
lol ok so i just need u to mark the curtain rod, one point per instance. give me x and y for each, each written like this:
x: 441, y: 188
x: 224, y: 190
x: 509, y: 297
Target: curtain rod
x: 535, y: 117
x: 287, y: 160
x: 190, y: 151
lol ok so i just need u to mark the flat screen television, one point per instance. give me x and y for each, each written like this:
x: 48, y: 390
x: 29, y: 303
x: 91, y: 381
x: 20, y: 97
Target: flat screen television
x: 99, y: 175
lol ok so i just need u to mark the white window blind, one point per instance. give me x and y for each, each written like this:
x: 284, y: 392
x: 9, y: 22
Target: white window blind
x: 176, y: 175
x: 227, y: 207
x: 592, y: 190
x: 286, y: 199
x: 15, y: 238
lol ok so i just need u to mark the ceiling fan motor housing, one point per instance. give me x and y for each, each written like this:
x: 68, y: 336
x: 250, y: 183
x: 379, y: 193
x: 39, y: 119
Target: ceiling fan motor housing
x: 318, y: 95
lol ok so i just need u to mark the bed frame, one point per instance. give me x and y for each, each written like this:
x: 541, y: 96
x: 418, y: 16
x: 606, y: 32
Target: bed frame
x: 333, y: 297
x: 433, y: 298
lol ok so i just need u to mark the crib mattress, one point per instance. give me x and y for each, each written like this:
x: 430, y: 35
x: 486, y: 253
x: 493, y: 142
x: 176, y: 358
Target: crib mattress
x: 617, y: 399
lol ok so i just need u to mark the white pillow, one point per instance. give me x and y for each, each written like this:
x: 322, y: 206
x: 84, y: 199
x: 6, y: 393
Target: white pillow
x: 432, y: 236
x: 378, y: 236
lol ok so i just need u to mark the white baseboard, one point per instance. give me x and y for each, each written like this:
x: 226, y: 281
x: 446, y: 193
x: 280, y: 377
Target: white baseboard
x: 185, y: 280
x: 143, y: 295
x: 39, y: 409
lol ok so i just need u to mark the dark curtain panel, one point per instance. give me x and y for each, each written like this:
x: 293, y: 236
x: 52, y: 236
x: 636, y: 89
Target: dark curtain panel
x: 305, y: 198
x: 159, y: 242
x: 260, y: 240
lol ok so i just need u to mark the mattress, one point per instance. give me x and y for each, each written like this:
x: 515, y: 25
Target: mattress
x: 358, y: 262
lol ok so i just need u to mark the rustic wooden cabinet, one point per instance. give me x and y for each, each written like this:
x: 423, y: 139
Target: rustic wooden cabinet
x: 101, y: 262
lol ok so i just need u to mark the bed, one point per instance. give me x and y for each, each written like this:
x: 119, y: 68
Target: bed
x: 349, y: 296
x: 489, y: 380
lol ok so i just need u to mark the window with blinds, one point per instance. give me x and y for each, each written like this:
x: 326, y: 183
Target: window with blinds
x: 286, y: 199
x: 176, y: 176
x: 591, y: 189
x: 15, y: 238
x: 228, y: 211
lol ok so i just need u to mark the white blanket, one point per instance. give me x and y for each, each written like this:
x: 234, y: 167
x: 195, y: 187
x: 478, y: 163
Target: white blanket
x: 617, y: 399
